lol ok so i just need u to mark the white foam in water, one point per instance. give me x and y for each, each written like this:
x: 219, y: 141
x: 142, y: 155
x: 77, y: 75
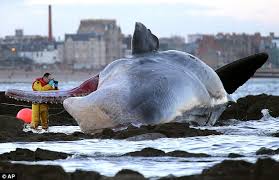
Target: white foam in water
x: 266, y: 126
x: 104, y: 156
x: 53, y: 129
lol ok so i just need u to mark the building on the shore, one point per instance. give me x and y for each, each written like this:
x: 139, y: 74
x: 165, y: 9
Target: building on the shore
x: 275, y: 40
x: 1, y: 40
x: 6, y: 53
x: 174, y: 43
x: 97, y: 43
x: 20, y: 38
x: 84, y: 51
x: 111, y: 33
x: 35, y: 48
x: 127, y: 42
x: 192, y: 38
x: 47, y: 54
x: 273, y: 52
x: 218, y: 50
x: 1, y: 53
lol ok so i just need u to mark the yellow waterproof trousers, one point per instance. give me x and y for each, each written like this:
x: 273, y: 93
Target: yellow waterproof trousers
x: 39, y: 111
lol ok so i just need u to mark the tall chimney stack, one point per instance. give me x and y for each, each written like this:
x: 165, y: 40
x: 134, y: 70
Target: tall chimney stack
x: 50, y: 38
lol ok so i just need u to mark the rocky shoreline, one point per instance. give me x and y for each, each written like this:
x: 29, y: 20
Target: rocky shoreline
x: 247, y: 108
x: 11, y: 130
x: 250, y: 107
x: 264, y: 168
x: 244, y: 109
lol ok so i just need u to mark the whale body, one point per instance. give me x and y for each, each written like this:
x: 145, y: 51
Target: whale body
x: 151, y: 87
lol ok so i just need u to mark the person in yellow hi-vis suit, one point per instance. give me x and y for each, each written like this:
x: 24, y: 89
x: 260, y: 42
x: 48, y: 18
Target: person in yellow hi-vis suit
x: 40, y: 111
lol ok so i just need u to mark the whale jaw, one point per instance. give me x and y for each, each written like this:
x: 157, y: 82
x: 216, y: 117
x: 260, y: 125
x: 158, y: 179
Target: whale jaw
x: 90, y: 117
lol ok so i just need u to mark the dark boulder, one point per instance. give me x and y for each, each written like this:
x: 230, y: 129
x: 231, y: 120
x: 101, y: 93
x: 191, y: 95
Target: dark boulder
x: 127, y: 174
x: 267, y: 151
x: 250, y: 107
x: 28, y: 155
x: 234, y: 155
x: 151, y: 152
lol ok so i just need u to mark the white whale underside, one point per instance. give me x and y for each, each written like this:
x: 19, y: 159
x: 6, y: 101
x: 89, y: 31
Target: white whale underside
x: 154, y: 88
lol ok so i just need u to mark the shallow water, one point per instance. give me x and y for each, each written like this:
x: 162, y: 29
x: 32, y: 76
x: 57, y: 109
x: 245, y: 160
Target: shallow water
x: 104, y: 156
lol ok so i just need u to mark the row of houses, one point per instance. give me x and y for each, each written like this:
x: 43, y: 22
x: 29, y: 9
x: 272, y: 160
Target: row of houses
x: 220, y: 49
x: 98, y: 42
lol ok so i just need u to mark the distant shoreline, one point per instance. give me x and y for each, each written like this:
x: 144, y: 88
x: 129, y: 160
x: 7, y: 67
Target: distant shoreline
x: 15, y: 76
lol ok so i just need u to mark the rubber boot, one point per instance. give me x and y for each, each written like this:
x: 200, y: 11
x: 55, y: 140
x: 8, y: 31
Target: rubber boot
x: 44, y: 116
x: 35, y: 116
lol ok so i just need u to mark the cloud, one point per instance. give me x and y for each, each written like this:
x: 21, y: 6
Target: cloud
x: 162, y: 16
x: 106, y: 2
x: 255, y: 10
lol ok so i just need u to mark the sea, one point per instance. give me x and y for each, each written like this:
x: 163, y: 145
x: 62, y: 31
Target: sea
x: 104, y: 156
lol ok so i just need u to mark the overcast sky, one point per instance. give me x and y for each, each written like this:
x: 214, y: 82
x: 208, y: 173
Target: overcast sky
x: 163, y: 17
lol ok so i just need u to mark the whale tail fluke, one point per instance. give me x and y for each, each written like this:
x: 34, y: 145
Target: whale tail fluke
x: 235, y: 74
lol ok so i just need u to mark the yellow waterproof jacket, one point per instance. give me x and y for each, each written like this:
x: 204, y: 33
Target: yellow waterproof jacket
x: 40, y: 110
x: 40, y: 85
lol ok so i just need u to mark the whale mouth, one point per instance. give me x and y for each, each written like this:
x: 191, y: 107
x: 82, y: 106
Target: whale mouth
x: 56, y: 96
x: 89, y: 114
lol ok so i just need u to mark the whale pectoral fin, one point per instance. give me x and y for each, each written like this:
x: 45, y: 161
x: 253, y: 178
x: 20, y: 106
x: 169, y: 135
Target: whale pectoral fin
x: 143, y: 40
x: 235, y: 74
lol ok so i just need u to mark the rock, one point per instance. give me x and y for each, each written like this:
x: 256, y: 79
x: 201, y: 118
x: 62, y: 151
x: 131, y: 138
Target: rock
x: 229, y: 168
x: 151, y: 152
x: 266, y: 169
x: 39, y: 137
x: 234, y: 155
x: 85, y: 175
x: 267, y: 151
x: 35, y: 172
x: 250, y: 107
x: 275, y: 134
x: 142, y: 132
x: 41, y: 154
x: 186, y: 154
x: 170, y: 130
x: 241, y: 170
x: 28, y: 155
x: 18, y: 155
x: 146, y: 152
x: 226, y: 170
x: 176, y: 130
x: 11, y: 125
x: 51, y: 172
x: 147, y: 136
x: 126, y: 174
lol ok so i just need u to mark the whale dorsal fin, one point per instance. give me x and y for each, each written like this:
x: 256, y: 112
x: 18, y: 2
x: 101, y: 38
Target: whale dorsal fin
x: 238, y: 72
x: 143, y: 40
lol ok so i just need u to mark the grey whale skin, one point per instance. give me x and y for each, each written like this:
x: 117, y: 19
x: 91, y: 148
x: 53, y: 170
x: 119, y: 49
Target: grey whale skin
x: 150, y: 87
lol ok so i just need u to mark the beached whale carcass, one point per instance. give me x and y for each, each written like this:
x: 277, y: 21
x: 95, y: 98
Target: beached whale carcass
x: 151, y: 87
